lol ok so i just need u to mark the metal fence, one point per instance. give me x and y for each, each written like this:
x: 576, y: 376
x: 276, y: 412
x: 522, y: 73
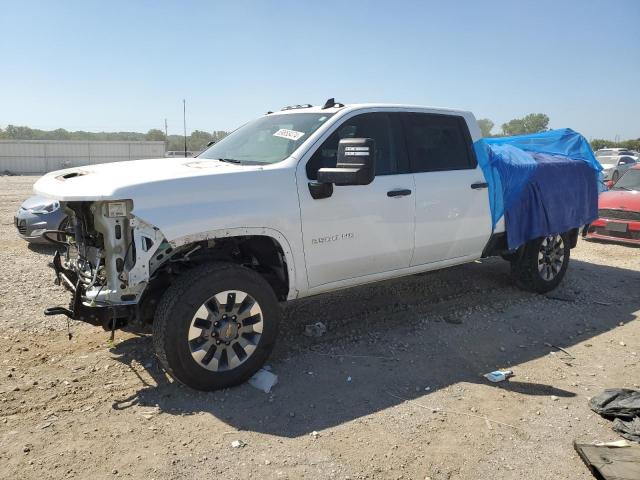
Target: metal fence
x: 42, y: 156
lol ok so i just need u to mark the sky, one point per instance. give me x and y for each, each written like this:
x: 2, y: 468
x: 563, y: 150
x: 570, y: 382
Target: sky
x: 127, y: 65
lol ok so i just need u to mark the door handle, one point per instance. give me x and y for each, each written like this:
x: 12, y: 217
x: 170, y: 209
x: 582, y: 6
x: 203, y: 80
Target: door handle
x: 398, y: 193
x: 479, y: 185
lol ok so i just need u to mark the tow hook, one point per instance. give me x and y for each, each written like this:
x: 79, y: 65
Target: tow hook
x: 58, y: 311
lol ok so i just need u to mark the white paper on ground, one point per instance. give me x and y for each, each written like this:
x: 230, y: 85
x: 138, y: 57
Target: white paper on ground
x: 263, y: 380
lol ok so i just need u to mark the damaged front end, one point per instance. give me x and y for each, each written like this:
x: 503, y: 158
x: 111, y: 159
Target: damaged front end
x: 105, y: 262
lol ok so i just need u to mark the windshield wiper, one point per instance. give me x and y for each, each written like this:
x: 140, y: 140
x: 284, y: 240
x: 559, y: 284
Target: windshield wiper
x: 620, y: 187
x: 230, y: 160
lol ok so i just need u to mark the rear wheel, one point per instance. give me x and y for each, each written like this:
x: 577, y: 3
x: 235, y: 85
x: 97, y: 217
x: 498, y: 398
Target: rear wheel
x: 216, y: 326
x: 543, y: 263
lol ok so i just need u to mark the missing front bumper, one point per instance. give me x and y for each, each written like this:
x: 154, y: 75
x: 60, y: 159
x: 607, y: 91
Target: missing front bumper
x: 97, y: 315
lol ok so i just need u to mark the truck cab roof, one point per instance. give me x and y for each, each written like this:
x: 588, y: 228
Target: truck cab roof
x: 366, y: 106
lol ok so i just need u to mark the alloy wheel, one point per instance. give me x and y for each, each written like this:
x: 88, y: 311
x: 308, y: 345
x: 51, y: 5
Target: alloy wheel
x: 225, y: 330
x: 550, y: 257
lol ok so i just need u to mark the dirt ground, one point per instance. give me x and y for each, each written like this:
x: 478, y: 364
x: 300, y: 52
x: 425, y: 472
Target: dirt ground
x: 393, y: 390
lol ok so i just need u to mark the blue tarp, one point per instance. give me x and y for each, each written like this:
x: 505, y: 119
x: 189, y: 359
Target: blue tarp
x: 543, y: 183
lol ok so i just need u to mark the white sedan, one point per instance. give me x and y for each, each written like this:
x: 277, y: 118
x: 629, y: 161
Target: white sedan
x: 614, y: 167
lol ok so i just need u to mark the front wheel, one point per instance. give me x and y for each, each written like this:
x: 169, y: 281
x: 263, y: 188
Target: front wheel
x: 542, y: 264
x: 216, y: 326
x: 615, y: 177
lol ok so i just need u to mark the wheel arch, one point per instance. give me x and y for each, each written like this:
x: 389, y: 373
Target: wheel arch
x: 246, y: 233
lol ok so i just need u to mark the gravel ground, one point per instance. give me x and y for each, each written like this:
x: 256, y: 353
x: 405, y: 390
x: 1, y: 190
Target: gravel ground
x: 392, y: 390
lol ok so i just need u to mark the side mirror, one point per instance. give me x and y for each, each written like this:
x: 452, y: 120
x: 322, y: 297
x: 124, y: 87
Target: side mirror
x: 355, y: 163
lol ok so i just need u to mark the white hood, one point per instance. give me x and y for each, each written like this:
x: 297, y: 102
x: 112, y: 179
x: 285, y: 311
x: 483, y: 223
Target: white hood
x: 183, y: 196
x: 119, y: 180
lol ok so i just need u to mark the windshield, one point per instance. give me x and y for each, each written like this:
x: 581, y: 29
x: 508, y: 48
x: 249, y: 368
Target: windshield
x: 269, y: 139
x: 629, y: 181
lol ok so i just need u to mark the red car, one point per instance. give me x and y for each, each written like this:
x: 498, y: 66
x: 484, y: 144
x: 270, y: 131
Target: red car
x: 619, y: 210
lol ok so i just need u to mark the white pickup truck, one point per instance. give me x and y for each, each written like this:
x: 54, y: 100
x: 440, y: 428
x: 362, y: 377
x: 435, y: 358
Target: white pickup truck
x: 299, y: 202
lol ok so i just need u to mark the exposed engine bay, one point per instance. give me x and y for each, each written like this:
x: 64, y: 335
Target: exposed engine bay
x: 105, y: 261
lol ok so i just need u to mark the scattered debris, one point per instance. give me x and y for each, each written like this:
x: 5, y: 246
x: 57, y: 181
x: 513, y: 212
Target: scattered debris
x: 315, y: 434
x: 498, y: 375
x: 623, y: 405
x: 610, y: 462
x: 317, y: 329
x: 615, y: 443
x: 598, y: 302
x: 617, y: 402
x: 263, y: 380
x: 628, y: 429
x: 550, y: 345
x: 238, y: 444
x: 348, y: 379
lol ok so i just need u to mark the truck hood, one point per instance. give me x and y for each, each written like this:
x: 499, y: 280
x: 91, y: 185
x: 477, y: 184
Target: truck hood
x: 122, y: 180
x: 184, y: 196
x: 620, y: 200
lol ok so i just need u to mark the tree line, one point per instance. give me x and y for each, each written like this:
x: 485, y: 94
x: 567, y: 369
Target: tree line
x: 196, y: 141
x: 598, y: 143
x: 538, y: 122
x: 532, y: 123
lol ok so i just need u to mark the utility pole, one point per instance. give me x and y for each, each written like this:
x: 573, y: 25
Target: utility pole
x: 166, y: 136
x: 184, y: 121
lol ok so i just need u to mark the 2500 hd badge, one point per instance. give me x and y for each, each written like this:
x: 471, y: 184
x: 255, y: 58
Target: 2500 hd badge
x: 332, y: 238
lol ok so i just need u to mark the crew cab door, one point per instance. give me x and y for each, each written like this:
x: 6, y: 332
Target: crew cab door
x: 452, y: 205
x: 358, y: 230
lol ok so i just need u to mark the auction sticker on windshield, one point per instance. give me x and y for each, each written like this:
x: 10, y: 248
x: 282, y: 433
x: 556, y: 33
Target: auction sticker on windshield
x: 288, y: 134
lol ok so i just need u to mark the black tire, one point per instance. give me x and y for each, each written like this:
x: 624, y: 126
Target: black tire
x: 526, y: 271
x: 178, y: 307
x: 615, y: 176
x: 64, y: 224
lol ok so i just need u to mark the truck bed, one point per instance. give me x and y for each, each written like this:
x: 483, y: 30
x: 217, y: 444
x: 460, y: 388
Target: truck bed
x: 540, y: 184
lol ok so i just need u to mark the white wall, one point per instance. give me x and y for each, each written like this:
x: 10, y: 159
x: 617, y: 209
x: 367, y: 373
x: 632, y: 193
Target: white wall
x: 42, y: 156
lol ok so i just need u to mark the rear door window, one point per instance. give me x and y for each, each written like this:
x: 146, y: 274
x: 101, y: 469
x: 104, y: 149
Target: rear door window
x: 438, y: 142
